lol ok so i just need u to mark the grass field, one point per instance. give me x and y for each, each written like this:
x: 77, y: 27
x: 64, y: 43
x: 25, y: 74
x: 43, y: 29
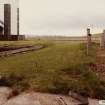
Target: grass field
x: 60, y: 67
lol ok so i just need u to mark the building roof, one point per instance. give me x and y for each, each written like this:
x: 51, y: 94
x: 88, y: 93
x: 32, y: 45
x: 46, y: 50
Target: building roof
x: 1, y: 23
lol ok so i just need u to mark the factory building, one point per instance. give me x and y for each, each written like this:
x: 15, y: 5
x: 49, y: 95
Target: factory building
x: 9, y: 20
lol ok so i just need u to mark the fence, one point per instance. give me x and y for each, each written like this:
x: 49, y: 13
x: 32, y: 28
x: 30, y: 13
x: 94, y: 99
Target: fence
x: 100, y: 39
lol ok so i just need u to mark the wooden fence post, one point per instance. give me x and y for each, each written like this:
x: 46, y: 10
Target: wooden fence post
x: 89, y: 42
x: 102, y: 42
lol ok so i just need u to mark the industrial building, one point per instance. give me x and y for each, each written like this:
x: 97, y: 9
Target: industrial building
x: 9, y: 22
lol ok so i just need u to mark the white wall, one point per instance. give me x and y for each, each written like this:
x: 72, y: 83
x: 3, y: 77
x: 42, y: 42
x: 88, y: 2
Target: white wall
x: 14, y: 5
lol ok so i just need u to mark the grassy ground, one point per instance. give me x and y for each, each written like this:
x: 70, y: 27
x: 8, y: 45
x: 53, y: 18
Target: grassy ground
x: 21, y: 43
x: 60, y: 67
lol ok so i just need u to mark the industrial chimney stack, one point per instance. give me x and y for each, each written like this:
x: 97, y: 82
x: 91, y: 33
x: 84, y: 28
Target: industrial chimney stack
x: 17, y: 21
x: 7, y: 19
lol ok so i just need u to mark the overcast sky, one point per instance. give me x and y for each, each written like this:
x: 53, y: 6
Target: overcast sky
x: 61, y: 17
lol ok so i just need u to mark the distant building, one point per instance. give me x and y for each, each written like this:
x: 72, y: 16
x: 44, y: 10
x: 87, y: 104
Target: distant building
x: 9, y: 22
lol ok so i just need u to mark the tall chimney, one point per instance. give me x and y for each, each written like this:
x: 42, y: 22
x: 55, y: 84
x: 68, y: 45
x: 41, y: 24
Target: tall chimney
x: 17, y: 21
x: 7, y: 19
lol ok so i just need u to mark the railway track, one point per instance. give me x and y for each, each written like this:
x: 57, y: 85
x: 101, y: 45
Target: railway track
x: 21, y: 50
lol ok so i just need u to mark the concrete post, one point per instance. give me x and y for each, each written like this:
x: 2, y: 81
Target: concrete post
x: 89, y: 42
x: 102, y: 42
x: 88, y: 37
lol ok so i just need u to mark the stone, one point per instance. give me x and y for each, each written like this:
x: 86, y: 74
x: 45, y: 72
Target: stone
x: 35, y: 98
x: 82, y: 99
x: 5, y: 93
x: 93, y: 102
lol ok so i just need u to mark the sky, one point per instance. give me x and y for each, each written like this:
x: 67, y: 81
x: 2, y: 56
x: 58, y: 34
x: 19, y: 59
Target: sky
x: 61, y: 17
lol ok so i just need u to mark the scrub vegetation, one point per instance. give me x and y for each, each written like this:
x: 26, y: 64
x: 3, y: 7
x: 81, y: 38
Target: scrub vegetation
x: 61, y: 67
